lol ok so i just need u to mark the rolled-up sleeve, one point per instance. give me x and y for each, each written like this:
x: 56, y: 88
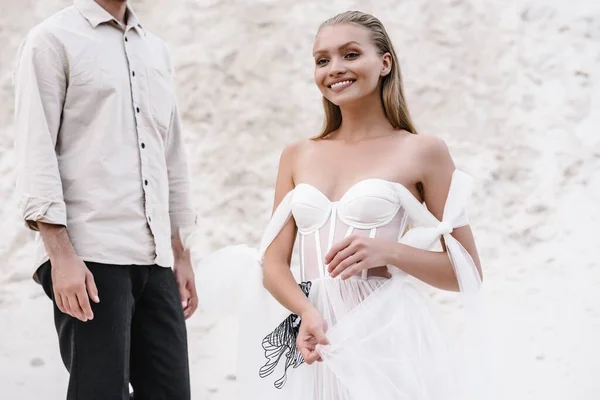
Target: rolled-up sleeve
x: 40, y: 86
x: 181, y: 212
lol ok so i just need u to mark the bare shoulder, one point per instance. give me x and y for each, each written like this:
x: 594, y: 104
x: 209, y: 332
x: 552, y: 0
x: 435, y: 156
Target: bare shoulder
x: 431, y: 150
x: 431, y: 157
x: 429, y: 146
x: 290, y: 154
x: 295, y: 154
x: 290, y: 151
x: 297, y: 150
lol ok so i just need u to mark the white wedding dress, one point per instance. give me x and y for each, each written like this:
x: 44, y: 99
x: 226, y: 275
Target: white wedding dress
x: 384, y: 341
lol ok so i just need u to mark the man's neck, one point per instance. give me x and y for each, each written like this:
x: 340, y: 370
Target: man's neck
x: 116, y: 8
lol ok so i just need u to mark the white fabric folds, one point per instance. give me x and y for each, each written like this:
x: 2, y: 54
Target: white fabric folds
x: 386, y: 338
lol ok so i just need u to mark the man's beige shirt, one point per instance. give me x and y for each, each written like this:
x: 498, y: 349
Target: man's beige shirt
x: 99, y: 141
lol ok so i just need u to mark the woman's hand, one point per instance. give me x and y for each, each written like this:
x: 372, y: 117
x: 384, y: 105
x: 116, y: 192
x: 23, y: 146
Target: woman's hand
x: 355, y: 253
x: 311, y: 333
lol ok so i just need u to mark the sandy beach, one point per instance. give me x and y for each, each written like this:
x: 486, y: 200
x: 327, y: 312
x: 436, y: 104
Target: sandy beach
x: 513, y: 87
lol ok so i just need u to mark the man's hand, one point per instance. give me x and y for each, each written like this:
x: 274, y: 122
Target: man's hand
x: 73, y: 286
x: 72, y: 282
x: 186, y: 282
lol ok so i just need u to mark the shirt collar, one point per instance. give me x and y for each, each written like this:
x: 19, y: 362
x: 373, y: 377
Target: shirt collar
x: 97, y: 15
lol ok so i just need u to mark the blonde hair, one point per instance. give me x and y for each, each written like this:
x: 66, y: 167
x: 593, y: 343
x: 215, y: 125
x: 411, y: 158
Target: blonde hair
x: 392, y: 93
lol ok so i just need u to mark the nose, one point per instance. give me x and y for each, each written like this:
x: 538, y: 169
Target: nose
x: 337, y: 67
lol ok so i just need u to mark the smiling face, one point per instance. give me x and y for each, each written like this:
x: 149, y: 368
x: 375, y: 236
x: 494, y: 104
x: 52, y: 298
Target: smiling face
x: 348, y: 65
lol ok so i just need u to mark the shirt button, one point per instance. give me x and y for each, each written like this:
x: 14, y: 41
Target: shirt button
x: 126, y: 39
x: 149, y: 219
x: 132, y: 73
x: 146, y: 182
x: 137, y: 109
x: 143, y: 145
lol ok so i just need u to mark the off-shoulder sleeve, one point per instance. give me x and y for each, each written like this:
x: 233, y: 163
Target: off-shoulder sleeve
x: 428, y: 229
x: 280, y: 217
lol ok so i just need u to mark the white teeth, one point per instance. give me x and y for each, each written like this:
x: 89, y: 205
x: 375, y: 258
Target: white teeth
x: 338, y: 84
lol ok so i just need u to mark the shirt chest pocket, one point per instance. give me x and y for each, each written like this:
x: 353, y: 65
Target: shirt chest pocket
x: 161, y: 93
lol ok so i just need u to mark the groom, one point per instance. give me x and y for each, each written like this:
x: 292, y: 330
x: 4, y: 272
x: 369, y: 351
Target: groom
x: 103, y: 178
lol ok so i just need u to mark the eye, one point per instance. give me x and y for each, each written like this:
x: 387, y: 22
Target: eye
x: 352, y: 54
x: 321, y: 61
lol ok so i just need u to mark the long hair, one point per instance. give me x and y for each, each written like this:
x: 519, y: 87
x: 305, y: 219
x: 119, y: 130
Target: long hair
x: 392, y: 92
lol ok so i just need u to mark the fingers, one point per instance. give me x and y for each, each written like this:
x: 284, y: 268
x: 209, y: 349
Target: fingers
x: 306, y: 343
x: 192, y: 303
x: 312, y: 357
x: 347, y: 262
x: 90, y: 284
x: 348, y: 246
x: 77, y: 305
x: 74, y: 300
x: 186, y: 284
x: 342, y: 244
x: 320, y: 336
x: 309, y: 337
x: 309, y: 353
x: 84, y: 304
x: 66, y: 305
x: 75, y: 308
x: 184, y: 294
x: 353, y: 270
x: 304, y: 351
x: 340, y: 257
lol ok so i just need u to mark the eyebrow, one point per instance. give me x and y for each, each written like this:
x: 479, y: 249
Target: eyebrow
x: 341, y: 47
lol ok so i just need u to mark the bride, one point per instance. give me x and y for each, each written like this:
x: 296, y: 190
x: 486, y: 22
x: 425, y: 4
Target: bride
x: 352, y: 325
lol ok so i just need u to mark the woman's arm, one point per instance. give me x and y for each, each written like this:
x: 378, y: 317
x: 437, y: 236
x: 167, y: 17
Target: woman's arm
x: 431, y: 266
x: 277, y: 276
x: 356, y: 253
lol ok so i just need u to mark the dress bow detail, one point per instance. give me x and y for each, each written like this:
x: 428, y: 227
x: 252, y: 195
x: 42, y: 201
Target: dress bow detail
x: 428, y: 229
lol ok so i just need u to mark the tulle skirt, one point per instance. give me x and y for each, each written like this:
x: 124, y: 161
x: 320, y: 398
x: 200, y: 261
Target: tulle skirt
x: 384, y: 342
